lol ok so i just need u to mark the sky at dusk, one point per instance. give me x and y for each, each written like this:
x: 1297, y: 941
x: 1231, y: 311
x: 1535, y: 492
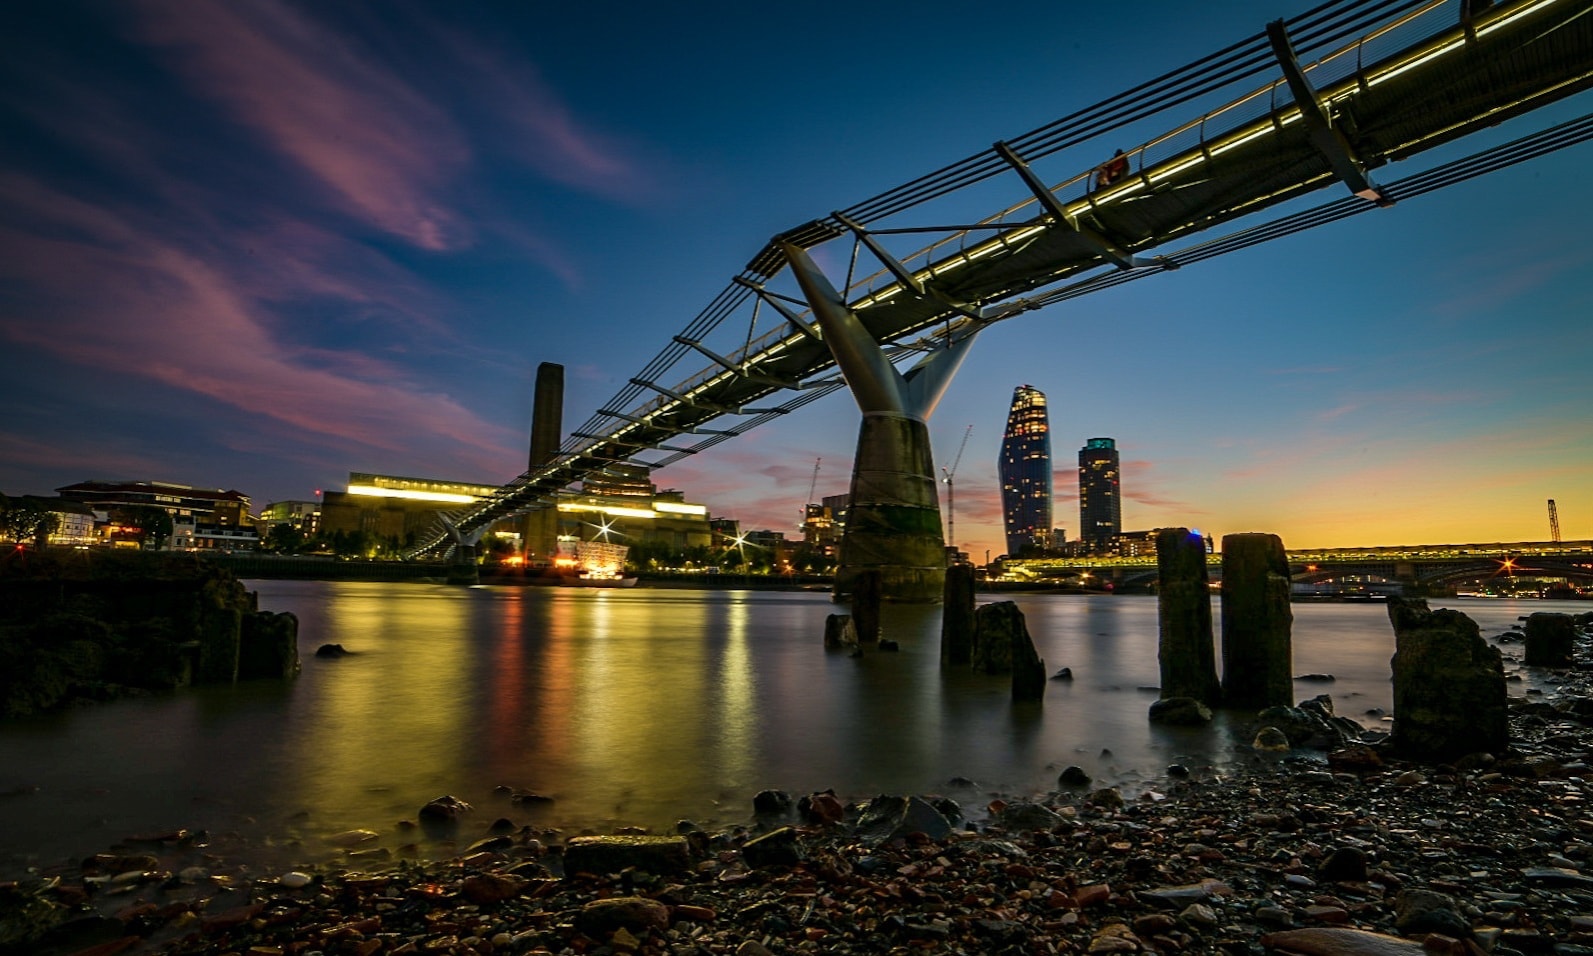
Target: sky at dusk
x: 258, y: 245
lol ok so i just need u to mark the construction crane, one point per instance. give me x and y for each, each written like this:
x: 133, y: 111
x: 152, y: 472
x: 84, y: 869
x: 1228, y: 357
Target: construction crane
x: 1554, y: 521
x: 807, y: 504
x: 951, y: 497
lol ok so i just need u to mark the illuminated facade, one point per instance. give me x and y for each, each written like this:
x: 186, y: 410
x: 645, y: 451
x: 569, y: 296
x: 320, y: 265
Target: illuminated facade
x: 1100, y: 498
x: 392, y: 508
x: 621, y: 508
x: 1025, y: 470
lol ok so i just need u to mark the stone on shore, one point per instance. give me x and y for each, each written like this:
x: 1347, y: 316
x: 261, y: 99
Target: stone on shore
x: 1180, y: 711
x: 775, y: 848
x: 600, y: 919
x: 889, y: 817
x: 1334, y: 941
x: 613, y: 854
x: 1550, y: 640
x: 1449, y: 687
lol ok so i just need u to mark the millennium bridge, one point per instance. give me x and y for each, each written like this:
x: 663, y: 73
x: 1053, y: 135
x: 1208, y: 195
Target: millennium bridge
x: 1321, y: 101
x: 1424, y: 566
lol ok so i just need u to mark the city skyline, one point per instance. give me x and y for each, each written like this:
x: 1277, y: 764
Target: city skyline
x: 261, y: 247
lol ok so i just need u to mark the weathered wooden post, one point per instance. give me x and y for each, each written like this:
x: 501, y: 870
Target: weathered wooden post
x: 1002, y: 644
x: 867, y: 592
x: 1257, y: 648
x: 957, y: 615
x: 1183, y: 605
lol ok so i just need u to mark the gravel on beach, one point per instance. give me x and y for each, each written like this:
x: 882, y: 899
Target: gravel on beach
x: 1352, y: 854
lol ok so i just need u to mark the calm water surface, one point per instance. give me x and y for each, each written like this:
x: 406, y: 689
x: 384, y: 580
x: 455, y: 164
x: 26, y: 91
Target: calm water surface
x: 635, y: 707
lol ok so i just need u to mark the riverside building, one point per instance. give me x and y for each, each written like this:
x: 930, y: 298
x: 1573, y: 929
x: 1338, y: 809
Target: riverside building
x: 1025, y: 470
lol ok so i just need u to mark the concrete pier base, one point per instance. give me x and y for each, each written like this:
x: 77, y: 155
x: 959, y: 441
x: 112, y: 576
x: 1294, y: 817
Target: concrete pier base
x: 893, y: 518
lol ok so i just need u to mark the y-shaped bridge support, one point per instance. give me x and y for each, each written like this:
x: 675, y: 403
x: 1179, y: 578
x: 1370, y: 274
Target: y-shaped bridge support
x: 893, y: 518
x: 462, y: 569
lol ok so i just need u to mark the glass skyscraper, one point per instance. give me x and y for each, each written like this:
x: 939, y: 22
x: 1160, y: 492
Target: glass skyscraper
x: 1025, y: 470
x: 1100, y: 504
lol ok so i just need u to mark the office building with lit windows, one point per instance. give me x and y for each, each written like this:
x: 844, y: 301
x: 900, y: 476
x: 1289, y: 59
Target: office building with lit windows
x: 1025, y: 470
x: 1100, y: 497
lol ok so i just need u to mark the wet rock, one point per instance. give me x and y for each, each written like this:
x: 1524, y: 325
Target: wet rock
x: 1065, y: 673
x: 889, y: 817
x: 1334, y: 941
x: 1073, y: 776
x: 614, y: 853
x: 1347, y: 864
x: 1425, y: 911
x: 1176, y: 897
x: 331, y: 650
x: 822, y: 808
x: 1028, y: 816
x: 1355, y: 759
x: 1550, y: 640
x: 1180, y: 711
x: 600, y: 919
x: 776, y: 848
x: 1108, y: 798
x: 1270, y: 739
x: 444, y: 809
x: 773, y: 803
x: 486, y: 889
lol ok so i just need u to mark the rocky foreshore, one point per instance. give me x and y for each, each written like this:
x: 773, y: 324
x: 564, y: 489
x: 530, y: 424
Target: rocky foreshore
x: 1348, y: 854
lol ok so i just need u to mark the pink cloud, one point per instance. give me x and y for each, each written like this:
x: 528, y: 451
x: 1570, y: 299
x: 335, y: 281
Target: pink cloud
x: 123, y: 297
x: 385, y: 151
x: 541, y: 130
x: 24, y: 457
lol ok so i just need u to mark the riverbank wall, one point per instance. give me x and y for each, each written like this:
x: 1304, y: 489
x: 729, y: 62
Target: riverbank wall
x: 96, y: 625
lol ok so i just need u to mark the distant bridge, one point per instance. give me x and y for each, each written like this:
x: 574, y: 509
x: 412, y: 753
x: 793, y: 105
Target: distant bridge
x: 1354, y: 85
x: 1422, y: 564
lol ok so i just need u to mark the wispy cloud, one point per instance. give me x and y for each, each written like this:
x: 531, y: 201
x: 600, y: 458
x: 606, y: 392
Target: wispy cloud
x: 116, y: 294
x: 384, y: 150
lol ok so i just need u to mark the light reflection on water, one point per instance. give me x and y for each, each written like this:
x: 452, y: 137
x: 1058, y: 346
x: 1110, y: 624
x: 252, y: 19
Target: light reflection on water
x: 628, y: 707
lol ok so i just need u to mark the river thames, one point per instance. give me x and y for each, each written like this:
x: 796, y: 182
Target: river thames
x: 632, y: 708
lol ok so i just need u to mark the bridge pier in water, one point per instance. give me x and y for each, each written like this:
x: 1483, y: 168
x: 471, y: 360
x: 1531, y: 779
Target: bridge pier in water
x: 893, y: 518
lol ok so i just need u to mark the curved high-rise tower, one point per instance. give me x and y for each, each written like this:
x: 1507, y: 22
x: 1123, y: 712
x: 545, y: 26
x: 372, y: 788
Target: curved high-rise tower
x: 1025, y: 470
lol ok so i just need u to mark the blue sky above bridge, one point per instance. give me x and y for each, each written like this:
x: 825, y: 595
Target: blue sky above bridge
x: 260, y: 245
